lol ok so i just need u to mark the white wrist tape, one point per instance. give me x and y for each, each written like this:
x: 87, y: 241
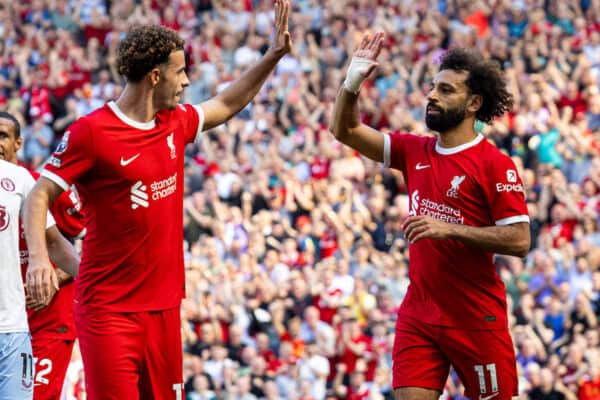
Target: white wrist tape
x: 356, y: 73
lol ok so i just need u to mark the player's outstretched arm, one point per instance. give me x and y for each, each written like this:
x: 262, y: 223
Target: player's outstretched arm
x: 345, y: 122
x: 41, y: 279
x: 238, y: 94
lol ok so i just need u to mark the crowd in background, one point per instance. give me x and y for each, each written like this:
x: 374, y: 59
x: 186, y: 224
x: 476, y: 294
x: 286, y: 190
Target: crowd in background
x: 295, y: 257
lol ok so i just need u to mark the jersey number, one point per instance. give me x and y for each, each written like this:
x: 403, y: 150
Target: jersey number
x: 27, y: 375
x: 178, y: 388
x: 40, y: 376
x: 491, y: 368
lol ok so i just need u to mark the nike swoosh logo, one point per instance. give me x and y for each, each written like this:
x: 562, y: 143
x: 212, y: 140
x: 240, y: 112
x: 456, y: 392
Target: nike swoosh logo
x: 491, y: 396
x: 422, y: 166
x: 125, y: 163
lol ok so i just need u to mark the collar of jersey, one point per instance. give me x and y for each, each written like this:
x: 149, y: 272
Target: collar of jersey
x: 126, y: 120
x: 457, y: 149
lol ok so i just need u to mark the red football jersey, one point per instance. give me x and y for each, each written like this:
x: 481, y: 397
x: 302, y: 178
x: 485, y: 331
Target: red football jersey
x: 55, y: 320
x: 129, y: 176
x: 452, y: 284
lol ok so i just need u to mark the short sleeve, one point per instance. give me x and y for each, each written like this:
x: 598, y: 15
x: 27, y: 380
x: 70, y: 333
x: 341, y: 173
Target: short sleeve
x: 73, y: 157
x: 395, y: 149
x: 504, y: 190
x: 192, y: 117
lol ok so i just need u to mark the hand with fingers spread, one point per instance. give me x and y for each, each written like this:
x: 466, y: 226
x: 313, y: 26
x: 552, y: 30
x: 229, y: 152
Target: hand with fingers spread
x: 282, y: 41
x: 421, y: 227
x: 364, y: 61
x: 42, y: 282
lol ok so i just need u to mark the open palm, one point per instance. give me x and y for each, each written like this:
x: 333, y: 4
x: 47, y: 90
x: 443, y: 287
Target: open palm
x: 282, y: 41
x: 369, y: 48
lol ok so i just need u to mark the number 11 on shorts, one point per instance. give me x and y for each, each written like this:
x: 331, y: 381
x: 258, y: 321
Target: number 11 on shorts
x: 491, y: 368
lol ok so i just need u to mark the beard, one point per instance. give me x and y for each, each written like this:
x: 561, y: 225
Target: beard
x: 446, y: 119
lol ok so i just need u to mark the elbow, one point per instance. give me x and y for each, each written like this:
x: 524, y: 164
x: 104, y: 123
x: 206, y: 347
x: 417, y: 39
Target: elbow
x: 340, y: 133
x: 522, y: 246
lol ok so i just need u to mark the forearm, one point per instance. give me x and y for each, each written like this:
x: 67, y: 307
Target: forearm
x: 242, y: 90
x: 510, y: 239
x: 36, y: 209
x: 345, y: 114
x: 62, y: 254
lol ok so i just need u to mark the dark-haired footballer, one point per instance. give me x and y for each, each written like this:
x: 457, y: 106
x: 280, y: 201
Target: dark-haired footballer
x: 126, y: 161
x: 466, y: 203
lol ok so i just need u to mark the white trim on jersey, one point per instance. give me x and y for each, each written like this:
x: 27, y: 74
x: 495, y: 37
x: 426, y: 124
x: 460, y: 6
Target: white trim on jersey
x: 200, y: 112
x: 512, y: 220
x: 126, y: 120
x: 56, y: 179
x: 387, y: 150
x: 457, y: 149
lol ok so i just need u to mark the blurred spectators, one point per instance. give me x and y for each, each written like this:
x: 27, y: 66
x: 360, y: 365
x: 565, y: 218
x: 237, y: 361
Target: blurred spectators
x: 295, y: 259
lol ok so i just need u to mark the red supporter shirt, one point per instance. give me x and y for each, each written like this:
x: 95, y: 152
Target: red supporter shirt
x: 129, y: 176
x: 56, y: 320
x: 452, y: 284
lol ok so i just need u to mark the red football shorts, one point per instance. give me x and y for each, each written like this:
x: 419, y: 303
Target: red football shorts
x: 131, y: 355
x: 52, y: 356
x: 483, y: 359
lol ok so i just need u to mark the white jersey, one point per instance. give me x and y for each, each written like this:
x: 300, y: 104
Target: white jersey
x: 15, y: 184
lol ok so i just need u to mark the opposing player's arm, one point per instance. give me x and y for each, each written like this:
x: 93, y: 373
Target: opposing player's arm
x: 41, y: 278
x: 347, y: 128
x: 239, y: 93
x: 345, y: 122
x: 62, y: 254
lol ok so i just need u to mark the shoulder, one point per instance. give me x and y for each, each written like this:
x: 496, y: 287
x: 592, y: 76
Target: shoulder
x: 14, y: 177
x: 409, y: 141
x: 180, y: 111
x: 492, y: 156
x: 12, y: 170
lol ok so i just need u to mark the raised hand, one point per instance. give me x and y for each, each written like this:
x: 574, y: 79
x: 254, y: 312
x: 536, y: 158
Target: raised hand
x: 369, y: 48
x: 282, y: 41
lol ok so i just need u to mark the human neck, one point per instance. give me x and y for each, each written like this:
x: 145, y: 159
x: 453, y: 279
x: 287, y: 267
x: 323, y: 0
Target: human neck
x: 460, y: 134
x: 136, y: 103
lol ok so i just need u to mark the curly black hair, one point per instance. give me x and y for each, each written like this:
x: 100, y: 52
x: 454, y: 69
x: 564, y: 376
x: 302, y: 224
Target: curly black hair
x: 146, y: 47
x: 485, y: 78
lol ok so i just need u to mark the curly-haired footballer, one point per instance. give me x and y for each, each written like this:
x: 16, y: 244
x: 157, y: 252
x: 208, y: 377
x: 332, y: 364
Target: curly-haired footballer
x: 466, y: 203
x: 126, y: 161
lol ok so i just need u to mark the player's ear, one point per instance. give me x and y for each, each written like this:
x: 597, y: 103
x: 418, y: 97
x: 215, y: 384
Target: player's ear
x: 18, y: 143
x: 475, y: 102
x: 154, y: 76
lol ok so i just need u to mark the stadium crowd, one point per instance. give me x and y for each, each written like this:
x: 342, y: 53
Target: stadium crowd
x: 295, y: 260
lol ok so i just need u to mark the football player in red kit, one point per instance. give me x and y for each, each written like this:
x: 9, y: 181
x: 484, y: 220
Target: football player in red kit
x: 466, y: 203
x: 126, y: 161
x: 52, y: 327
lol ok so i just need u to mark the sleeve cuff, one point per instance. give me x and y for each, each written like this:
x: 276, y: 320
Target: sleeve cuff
x: 512, y: 220
x: 200, y: 112
x: 387, y: 150
x: 56, y: 179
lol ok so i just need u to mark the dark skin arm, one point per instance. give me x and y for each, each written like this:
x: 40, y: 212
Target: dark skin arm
x: 41, y: 279
x: 511, y: 239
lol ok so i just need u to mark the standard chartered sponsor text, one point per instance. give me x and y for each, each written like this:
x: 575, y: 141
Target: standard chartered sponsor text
x: 441, y: 211
x: 164, y: 188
